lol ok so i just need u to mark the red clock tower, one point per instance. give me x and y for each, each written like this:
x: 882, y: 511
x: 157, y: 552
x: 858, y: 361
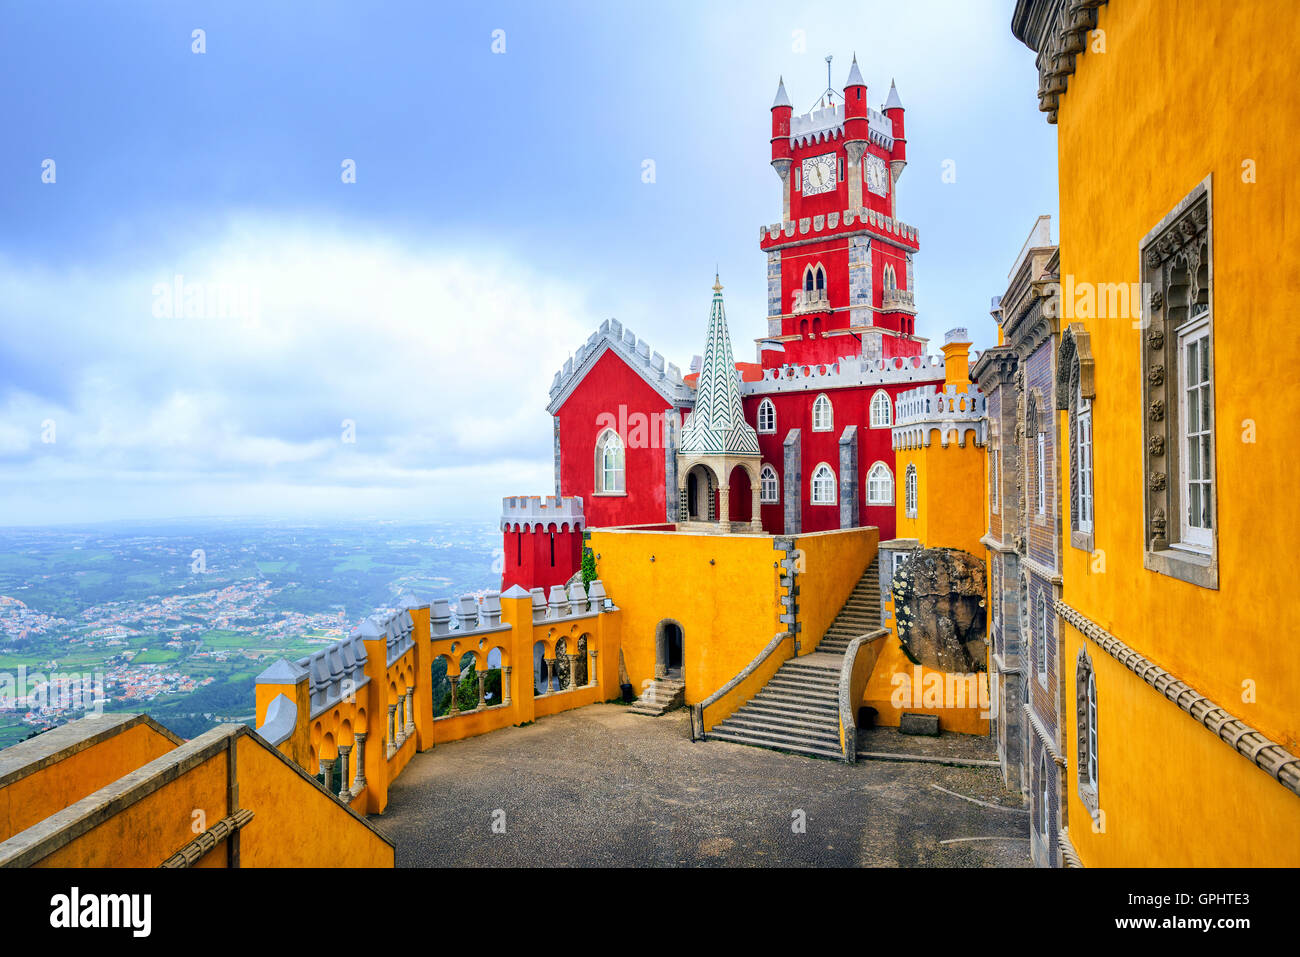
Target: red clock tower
x: 839, y: 264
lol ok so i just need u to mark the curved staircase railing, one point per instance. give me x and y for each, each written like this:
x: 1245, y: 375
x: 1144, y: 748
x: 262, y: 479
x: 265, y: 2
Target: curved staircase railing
x: 859, y: 661
x: 747, y: 683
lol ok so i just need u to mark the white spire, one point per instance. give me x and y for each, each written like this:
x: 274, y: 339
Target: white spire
x: 855, y: 75
x: 893, y: 102
x: 781, y: 98
x: 717, y: 425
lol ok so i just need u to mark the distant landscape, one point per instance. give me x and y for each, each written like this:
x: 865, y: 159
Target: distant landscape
x: 179, y: 619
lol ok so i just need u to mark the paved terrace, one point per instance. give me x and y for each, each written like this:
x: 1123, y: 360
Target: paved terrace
x: 601, y: 787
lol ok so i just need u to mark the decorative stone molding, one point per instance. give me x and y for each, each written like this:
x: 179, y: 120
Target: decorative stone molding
x: 1266, y: 754
x: 1044, y: 736
x: 224, y: 829
x: 1177, y: 267
x: 1057, y: 30
x: 664, y: 378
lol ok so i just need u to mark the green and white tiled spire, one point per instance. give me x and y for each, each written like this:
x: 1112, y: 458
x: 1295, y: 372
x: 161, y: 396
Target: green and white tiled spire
x: 717, y: 426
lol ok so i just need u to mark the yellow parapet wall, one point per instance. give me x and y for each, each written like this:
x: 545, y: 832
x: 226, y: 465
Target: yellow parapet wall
x: 45, y: 774
x: 224, y: 799
x: 829, y: 566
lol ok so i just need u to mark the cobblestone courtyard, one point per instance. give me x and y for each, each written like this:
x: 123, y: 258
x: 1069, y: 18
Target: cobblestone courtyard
x: 602, y: 787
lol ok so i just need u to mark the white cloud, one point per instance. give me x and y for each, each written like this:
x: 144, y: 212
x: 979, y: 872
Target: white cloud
x: 442, y: 359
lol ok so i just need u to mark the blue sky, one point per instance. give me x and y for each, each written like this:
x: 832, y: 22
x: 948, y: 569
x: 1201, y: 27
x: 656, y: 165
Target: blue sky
x: 499, y: 214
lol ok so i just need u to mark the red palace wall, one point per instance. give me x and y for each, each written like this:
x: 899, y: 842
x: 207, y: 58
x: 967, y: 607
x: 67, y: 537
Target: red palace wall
x: 540, y: 557
x: 613, y: 395
x: 849, y: 407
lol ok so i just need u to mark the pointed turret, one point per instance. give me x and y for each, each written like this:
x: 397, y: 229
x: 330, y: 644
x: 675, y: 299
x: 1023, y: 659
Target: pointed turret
x: 717, y: 425
x: 781, y: 153
x: 855, y: 75
x: 893, y: 109
x: 892, y: 102
x: 857, y: 130
x: 781, y: 98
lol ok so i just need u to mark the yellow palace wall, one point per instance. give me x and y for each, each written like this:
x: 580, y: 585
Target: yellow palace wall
x: 1188, y: 89
x: 725, y: 591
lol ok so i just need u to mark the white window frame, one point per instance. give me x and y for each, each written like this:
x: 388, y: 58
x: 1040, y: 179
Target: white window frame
x: 875, y: 469
x: 767, y: 411
x: 995, y: 465
x: 1091, y: 744
x: 826, y: 420
x: 1195, y: 537
x: 824, y: 474
x: 767, y: 477
x: 1040, y: 466
x: 877, y: 421
x: 1043, y: 630
x: 604, y: 470
x: 1083, y: 460
x: 909, y: 491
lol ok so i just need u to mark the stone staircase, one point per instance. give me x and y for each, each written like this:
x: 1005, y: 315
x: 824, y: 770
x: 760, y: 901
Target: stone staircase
x: 860, y: 614
x: 661, y: 696
x: 798, y: 709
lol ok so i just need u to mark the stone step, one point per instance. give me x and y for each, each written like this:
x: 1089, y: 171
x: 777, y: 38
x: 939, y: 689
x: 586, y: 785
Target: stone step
x: 779, y: 722
x: 817, y: 735
x: 785, y: 702
x: 790, y: 745
x: 809, y: 691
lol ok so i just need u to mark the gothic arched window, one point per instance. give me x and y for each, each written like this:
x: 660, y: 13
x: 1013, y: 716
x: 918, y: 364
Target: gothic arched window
x: 823, y: 485
x: 766, y: 416
x: 610, y: 479
x: 822, y: 418
x: 769, y: 486
x: 880, y: 485
x: 880, y: 410
x: 909, y: 485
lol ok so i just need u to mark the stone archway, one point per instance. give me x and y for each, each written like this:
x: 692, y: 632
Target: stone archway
x: 670, y: 648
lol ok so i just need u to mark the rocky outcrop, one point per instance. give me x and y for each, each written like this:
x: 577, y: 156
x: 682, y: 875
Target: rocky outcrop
x: 939, y: 601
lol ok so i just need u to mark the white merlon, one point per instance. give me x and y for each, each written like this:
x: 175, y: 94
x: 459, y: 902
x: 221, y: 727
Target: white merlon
x: 664, y: 378
x: 958, y: 334
x: 847, y: 373
x: 530, y: 512
x: 862, y: 215
x: 953, y: 412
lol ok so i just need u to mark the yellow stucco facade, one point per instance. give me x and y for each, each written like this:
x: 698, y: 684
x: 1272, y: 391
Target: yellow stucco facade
x: 1185, y: 93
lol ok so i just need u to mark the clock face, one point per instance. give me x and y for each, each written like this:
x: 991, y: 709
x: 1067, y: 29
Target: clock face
x: 877, y: 175
x: 819, y: 174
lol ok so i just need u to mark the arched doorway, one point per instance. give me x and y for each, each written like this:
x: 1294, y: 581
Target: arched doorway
x: 742, y: 495
x: 701, y: 495
x: 670, y: 648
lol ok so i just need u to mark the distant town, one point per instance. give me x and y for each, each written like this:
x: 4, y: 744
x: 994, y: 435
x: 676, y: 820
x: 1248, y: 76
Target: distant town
x: 180, y: 619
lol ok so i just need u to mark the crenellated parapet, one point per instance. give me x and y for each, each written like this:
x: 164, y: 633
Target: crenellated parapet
x: 849, y: 220
x: 356, y: 711
x: 664, y: 377
x: 827, y: 125
x: 536, y: 513
x: 952, y: 411
x: 846, y: 373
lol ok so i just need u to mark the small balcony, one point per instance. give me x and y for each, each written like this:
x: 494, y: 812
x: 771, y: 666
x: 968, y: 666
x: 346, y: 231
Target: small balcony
x: 811, y: 300
x: 897, y: 300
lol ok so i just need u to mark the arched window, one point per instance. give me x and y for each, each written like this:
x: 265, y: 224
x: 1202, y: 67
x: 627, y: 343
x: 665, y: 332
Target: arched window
x: 1043, y: 630
x: 821, y: 278
x: 769, y: 486
x: 880, y: 485
x: 766, y: 416
x: 880, y: 410
x: 609, y: 464
x: 1085, y: 687
x: 823, y: 420
x: 890, y: 280
x: 808, y: 279
x: 823, y: 485
x: 1044, y: 794
x: 910, y: 491
x: 1083, y: 460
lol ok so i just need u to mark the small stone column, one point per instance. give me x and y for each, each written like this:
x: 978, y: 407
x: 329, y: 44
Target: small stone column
x: 482, y: 684
x: 359, y: 784
x: 410, y: 710
x: 399, y: 731
x: 549, y: 665
x: 505, y: 684
x: 392, y: 740
x: 327, y: 766
x: 724, y: 504
x: 345, y: 788
x: 756, y: 508
x: 592, y: 672
x: 455, y: 698
x: 573, y: 670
